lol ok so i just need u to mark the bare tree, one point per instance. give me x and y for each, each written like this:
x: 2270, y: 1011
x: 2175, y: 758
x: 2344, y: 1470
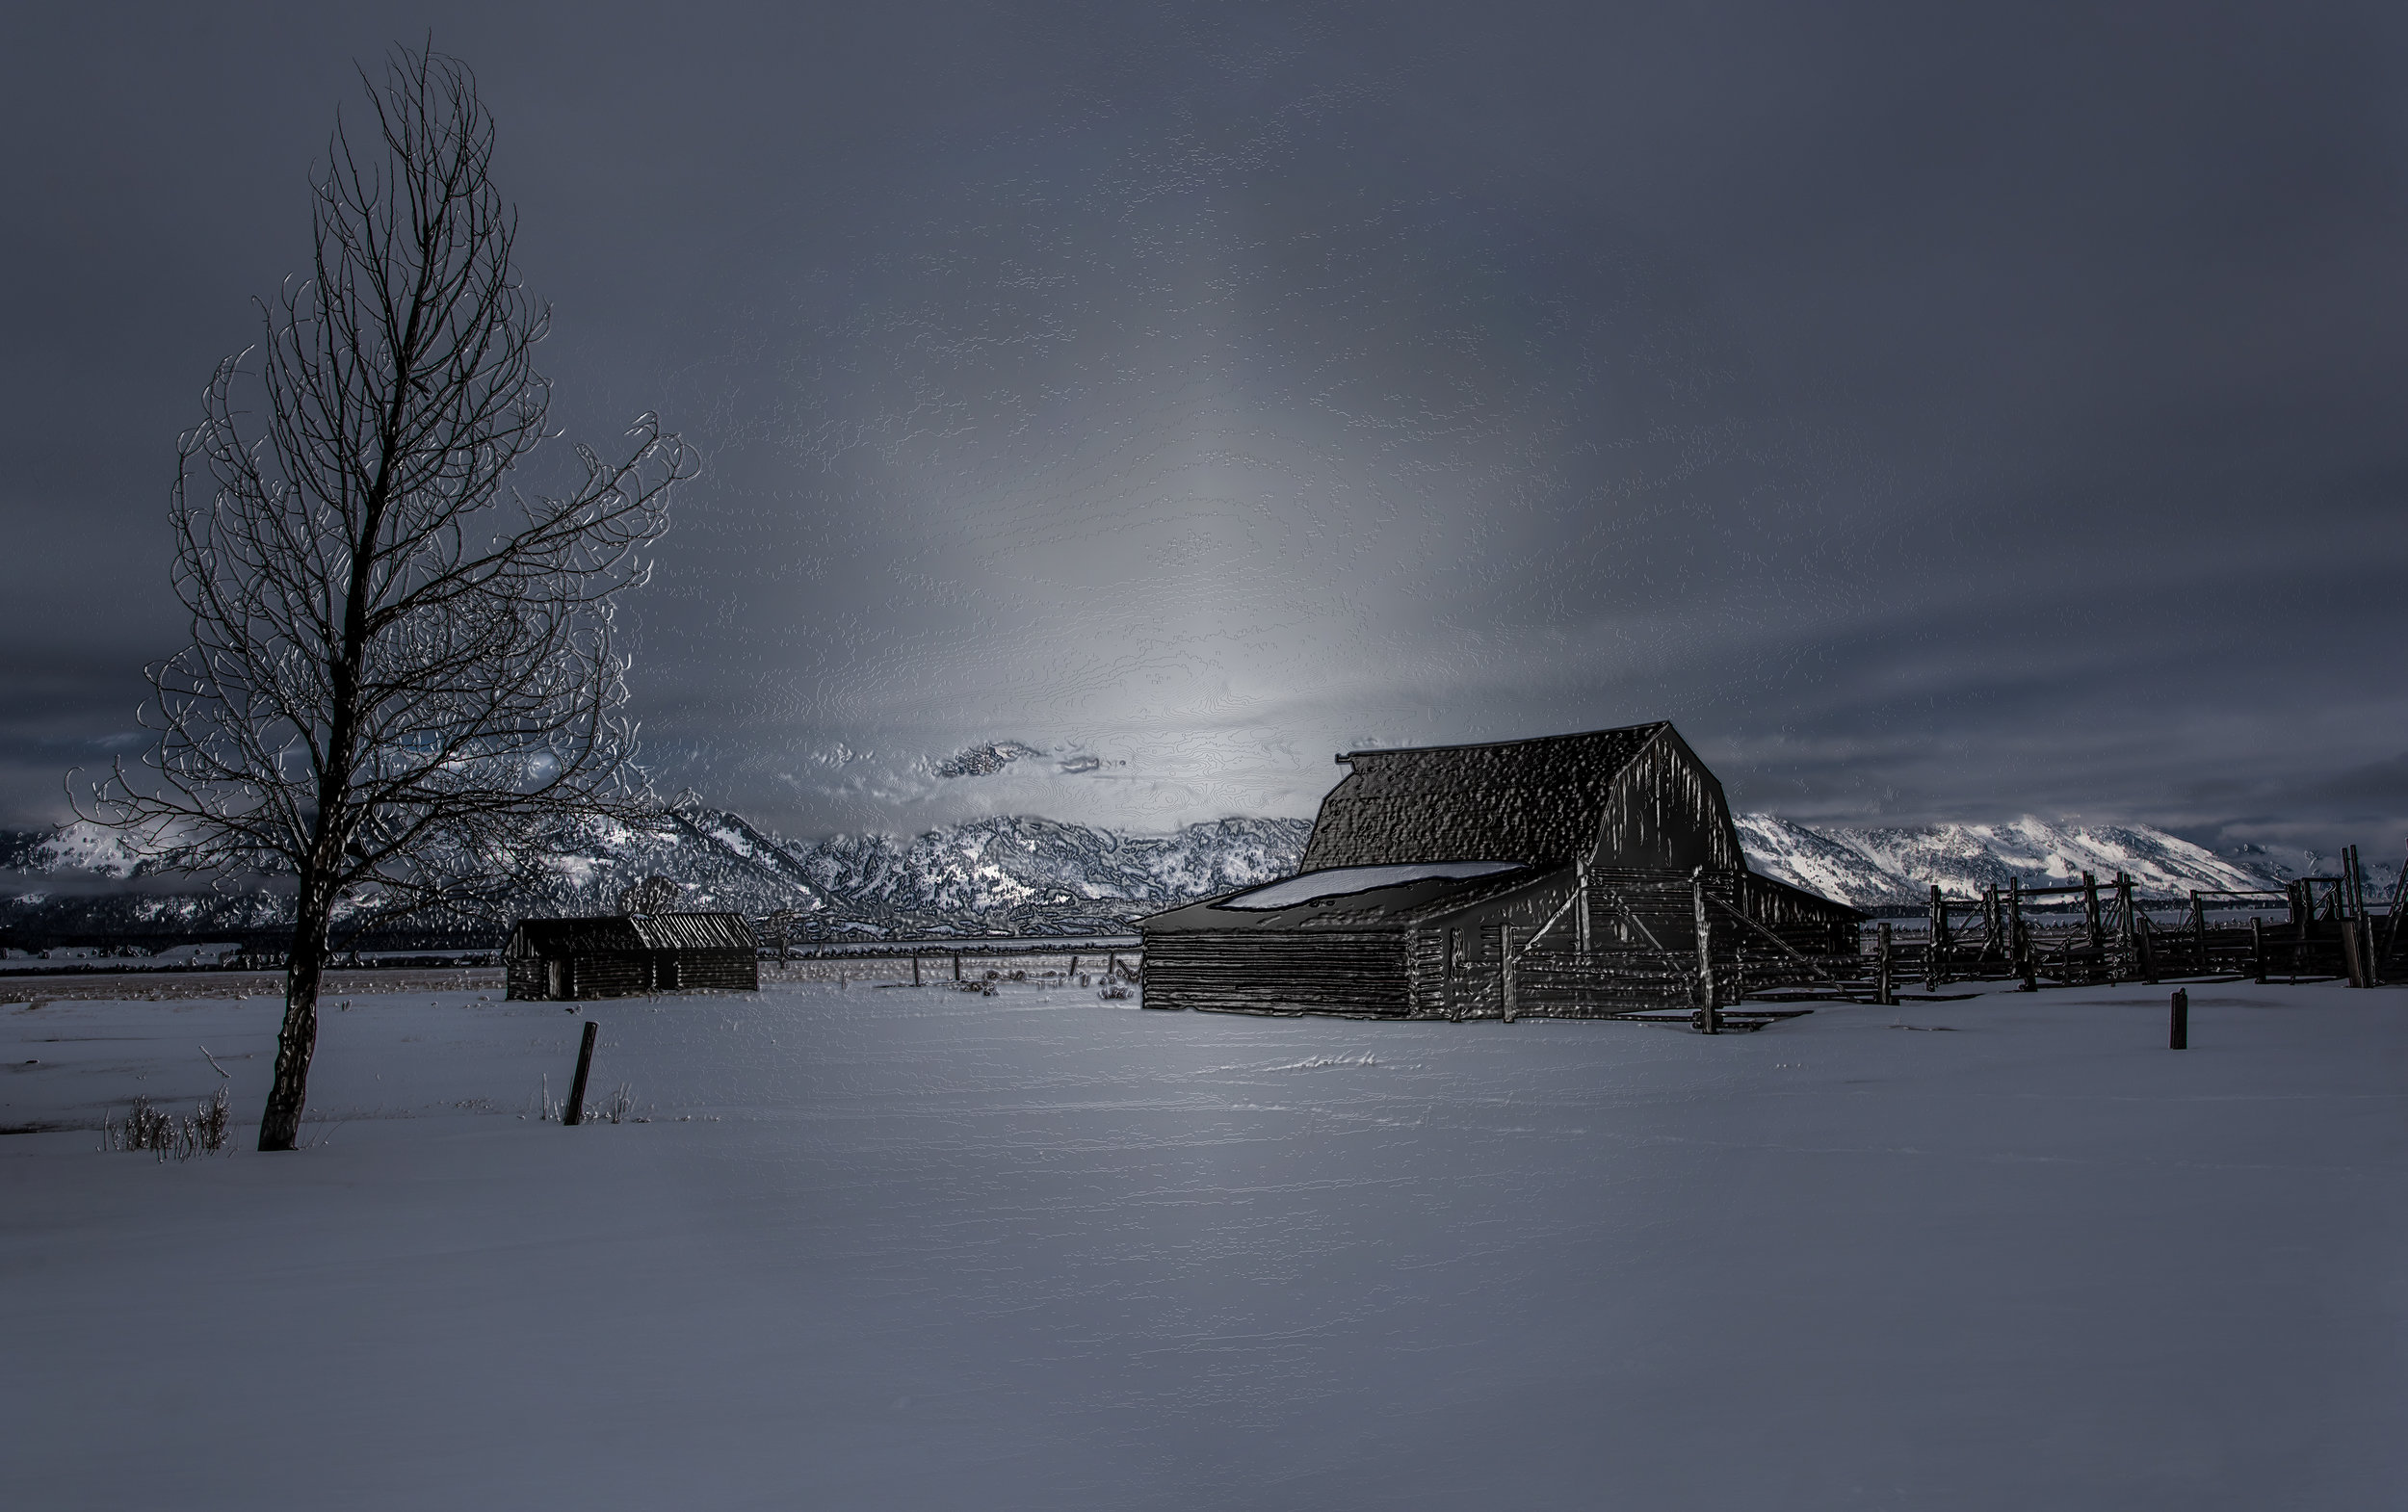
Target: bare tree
x: 404, y: 669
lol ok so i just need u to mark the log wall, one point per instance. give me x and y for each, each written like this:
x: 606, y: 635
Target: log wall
x: 1356, y: 974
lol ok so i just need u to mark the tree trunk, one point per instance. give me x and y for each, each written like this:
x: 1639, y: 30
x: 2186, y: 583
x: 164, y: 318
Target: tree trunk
x: 279, y: 1126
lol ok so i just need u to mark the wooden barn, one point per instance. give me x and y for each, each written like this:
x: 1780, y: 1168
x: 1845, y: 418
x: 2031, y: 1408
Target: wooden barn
x: 618, y: 955
x: 1573, y: 876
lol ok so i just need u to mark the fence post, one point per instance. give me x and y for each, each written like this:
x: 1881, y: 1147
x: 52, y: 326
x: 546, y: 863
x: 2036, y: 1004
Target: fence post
x: 1884, y: 994
x: 2094, y: 931
x: 1709, y: 1015
x: 2353, y: 966
x: 915, y: 968
x: 2355, y: 921
x: 2019, y: 938
x: 956, y: 965
x: 2199, y: 930
x: 2128, y: 963
x: 2257, y: 947
x: 2178, y: 1036
x: 575, y: 1112
x: 1939, y: 926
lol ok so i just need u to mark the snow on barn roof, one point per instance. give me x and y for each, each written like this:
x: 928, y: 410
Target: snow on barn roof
x: 1340, y: 881
x: 1352, y: 904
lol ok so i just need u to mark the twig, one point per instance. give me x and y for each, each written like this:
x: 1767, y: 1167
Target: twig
x: 213, y: 1063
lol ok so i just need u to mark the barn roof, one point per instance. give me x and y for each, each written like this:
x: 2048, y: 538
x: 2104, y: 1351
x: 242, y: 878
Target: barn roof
x: 637, y: 933
x: 1539, y: 801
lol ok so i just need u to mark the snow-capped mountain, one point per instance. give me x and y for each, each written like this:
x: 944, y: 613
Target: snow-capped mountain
x: 73, y: 847
x: 1026, y: 874
x: 1013, y: 874
x: 1007, y: 871
x: 1889, y: 865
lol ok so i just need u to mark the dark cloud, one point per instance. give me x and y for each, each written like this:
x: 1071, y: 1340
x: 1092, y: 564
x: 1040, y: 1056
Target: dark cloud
x: 1936, y: 413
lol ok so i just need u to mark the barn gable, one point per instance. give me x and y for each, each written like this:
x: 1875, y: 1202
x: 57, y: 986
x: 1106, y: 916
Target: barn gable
x: 1635, y: 798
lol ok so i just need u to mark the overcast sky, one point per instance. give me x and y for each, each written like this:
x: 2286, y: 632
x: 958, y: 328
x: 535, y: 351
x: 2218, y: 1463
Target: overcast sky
x: 1936, y: 413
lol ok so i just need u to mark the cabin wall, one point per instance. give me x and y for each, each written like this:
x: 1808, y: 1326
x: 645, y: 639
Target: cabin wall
x: 1666, y: 812
x: 621, y: 973
x: 1360, y: 974
x: 610, y: 974
x: 726, y: 971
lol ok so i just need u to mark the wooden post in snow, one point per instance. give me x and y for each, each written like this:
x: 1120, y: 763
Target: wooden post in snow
x: 915, y: 968
x: 2178, y: 1033
x: 2257, y: 947
x: 2199, y: 931
x: 1580, y: 909
x: 575, y: 1112
x: 1884, y: 993
x: 956, y: 965
x: 2353, y: 964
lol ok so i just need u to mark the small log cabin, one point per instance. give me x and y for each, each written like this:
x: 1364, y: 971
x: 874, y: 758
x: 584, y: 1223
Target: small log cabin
x: 1563, y: 877
x: 617, y: 957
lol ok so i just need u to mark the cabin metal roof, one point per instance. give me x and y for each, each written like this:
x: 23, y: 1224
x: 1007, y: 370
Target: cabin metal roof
x: 1537, y: 800
x: 548, y: 937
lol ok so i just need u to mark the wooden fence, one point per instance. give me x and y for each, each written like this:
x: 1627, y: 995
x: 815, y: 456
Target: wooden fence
x: 2318, y: 927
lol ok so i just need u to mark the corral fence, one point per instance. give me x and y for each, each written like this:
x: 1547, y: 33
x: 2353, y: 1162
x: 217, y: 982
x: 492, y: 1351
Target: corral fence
x: 941, y: 959
x: 2087, y: 932
x: 1647, y: 945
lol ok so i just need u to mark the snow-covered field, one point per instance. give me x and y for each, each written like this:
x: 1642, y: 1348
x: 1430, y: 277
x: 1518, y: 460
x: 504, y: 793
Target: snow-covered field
x: 898, y: 1249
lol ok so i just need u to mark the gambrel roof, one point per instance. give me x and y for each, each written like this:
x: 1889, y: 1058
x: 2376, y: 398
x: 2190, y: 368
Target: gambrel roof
x: 1540, y: 801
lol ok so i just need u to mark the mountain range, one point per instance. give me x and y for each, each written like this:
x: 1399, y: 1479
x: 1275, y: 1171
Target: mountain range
x: 1889, y: 865
x: 1024, y: 874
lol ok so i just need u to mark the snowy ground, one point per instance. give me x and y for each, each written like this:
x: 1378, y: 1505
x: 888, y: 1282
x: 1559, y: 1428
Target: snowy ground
x: 898, y: 1249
